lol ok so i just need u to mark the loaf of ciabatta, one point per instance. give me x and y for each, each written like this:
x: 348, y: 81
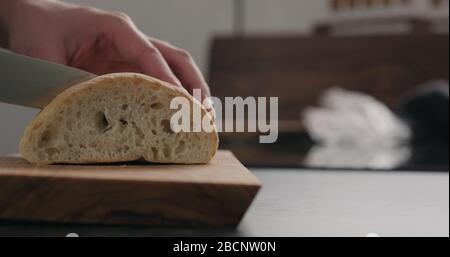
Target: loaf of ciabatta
x: 116, y: 118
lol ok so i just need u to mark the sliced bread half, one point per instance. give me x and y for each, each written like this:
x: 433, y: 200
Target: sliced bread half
x: 115, y: 118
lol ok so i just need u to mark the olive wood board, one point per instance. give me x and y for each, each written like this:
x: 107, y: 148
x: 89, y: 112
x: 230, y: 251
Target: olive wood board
x: 217, y: 194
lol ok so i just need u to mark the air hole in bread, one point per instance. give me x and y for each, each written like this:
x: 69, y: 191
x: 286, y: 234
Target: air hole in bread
x: 123, y: 121
x: 46, y: 138
x: 157, y: 106
x: 102, y: 122
x: 125, y: 107
x: 51, y: 152
x: 181, y: 147
x: 166, y: 126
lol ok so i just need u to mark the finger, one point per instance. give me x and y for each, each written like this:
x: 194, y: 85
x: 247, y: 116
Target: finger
x: 184, y: 67
x: 152, y: 63
x: 136, y: 49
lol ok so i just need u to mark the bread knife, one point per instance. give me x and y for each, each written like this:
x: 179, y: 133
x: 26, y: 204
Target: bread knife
x: 32, y: 82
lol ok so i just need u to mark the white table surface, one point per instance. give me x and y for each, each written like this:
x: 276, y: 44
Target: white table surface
x: 337, y: 203
x: 313, y: 203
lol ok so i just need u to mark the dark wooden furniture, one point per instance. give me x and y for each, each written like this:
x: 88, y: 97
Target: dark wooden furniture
x: 297, y: 69
x: 377, y: 26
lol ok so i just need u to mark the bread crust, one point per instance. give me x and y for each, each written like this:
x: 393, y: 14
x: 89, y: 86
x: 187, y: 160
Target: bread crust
x: 36, y: 149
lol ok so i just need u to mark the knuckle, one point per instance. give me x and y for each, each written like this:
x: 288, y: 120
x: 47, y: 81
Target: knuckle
x: 120, y: 17
x: 183, y: 54
x: 83, y: 9
x: 152, y: 51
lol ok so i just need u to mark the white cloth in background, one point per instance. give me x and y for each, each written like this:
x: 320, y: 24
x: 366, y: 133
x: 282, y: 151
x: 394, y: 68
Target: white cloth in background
x: 354, y: 130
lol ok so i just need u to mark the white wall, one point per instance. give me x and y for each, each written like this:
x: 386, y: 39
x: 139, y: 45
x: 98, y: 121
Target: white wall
x: 190, y: 24
x: 283, y: 16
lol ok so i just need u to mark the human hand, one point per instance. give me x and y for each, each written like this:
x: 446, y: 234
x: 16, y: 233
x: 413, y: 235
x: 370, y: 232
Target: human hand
x: 97, y: 41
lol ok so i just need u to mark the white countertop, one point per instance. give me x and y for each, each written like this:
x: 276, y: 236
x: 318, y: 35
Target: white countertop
x: 339, y: 203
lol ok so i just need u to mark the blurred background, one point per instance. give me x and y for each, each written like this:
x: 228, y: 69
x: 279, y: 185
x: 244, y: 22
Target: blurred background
x: 388, y: 57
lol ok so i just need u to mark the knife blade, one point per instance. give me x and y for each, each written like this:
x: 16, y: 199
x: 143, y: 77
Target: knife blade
x: 32, y: 82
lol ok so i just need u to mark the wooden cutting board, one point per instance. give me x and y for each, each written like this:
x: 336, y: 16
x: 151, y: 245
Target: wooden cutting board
x: 217, y: 194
